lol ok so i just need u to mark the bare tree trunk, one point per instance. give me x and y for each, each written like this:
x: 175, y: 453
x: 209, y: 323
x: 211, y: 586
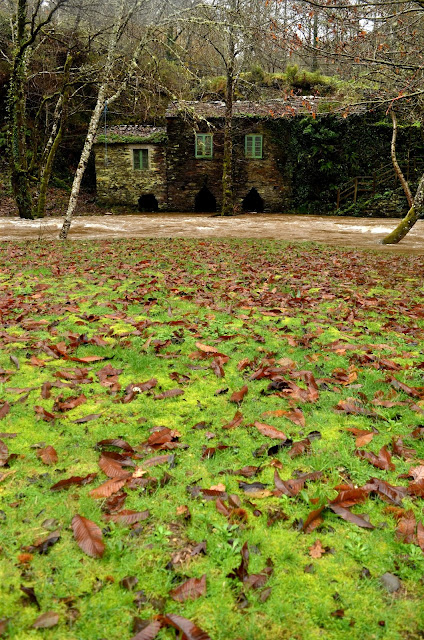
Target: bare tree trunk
x: 396, y: 166
x: 82, y: 165
x: 414, y: 213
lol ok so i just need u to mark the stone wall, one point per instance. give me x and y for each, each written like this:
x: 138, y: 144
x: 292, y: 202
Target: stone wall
x: 187, y: 175
x: 119, y: 183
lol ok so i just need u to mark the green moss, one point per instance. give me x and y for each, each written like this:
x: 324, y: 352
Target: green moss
x: 113, y: 138
x: 249, y: 299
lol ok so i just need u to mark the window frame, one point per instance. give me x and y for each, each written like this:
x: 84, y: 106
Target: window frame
x: 197, y: 154
x: 139, y: 151
x: 254, y: 137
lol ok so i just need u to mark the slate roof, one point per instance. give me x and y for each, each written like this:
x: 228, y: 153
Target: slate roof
x: 277, y: 108
x: 128, y: 131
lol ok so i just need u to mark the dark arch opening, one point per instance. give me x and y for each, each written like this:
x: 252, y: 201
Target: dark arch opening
x: 148, y: 203
x: 205, y: 201
x: 253, y: 202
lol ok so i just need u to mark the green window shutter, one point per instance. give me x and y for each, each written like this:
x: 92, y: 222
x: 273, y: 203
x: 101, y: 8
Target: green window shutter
x: 249, y: 146
x: 204, y: 145
x: 253, y: 146
x: 258, y: 147
x: 144, y: 155
x: 136, y: 158
x: 140, y: 159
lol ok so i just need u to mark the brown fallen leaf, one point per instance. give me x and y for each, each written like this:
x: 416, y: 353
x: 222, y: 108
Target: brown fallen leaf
x: 149, y: 632
x: 46, y: 620
x: 270, y: 431
x: 88, y: 536
x: 351, y: 517
x: 190, y: 589
x: 355, y: 408
x: 128, y: 517
x: 238, y: 396
x: 187, y: 628
x: 110, y: 487
x: 382, y: 461
x: 317, y: 550
x: 48, y: 455
x: 413, y: 392
x: 235, y: 422
x: 78, y: 480
x: 420, y: 535
x: 171, y: 393
x: 405, y: 531
x: 313, y: 520
x: 4, y: 453
x: 363, y: 436
x: 4, y: 410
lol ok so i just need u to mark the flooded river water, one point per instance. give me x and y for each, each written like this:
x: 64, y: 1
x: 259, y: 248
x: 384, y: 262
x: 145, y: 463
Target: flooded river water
x: 341, y: 231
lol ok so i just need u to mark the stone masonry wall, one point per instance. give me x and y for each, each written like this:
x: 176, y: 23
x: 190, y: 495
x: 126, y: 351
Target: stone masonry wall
x: 119, y: 183
x: 188, y: 174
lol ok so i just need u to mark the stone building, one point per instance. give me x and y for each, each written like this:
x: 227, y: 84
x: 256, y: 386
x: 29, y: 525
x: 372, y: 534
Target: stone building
x: 281, y: 158
x: 179, y: 167
x: 131, y: 167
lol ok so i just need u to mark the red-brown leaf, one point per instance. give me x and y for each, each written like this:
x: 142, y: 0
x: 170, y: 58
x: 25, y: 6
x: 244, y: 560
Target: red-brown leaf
x: 270, y: 431
x: 350, y: 517
x: 78, y: 480
x: 420, y: 535
x: 48, y: 455
x: 190, y: 590
x: 109, y: 487
x: 238, y: 396
x: 382, y: 461
x: 171, y: 393
x: 186, y: 627
x: 4, y: 453
x: 406, y: 528
x: 4, y: 410
x: 150, y: 632
x: 235, y: 422
x: 112, y: 468
x: 46, y: 620
x: 88, y: 536
x: 128, y: 517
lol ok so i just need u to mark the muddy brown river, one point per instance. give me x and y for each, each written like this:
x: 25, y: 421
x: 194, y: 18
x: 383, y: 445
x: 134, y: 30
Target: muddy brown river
x: 341, y: 231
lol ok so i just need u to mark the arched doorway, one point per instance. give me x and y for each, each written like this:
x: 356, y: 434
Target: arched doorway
x: 148, y: 203
x: 253, y: 202
x: 205, y: 201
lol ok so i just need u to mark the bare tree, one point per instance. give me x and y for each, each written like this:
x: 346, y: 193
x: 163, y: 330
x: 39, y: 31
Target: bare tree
x: 113, y: 78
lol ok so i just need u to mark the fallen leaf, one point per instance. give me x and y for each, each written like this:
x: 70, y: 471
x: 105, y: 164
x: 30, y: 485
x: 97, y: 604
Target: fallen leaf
x: 46, y: 620
x: 190, y: 589
x: 189, y: 630
x: 238, y: 396
x: 88, y: 536
x: 270, y: 431
x: 48, y: 455
x: 350, y: 517
x: 316, y: 550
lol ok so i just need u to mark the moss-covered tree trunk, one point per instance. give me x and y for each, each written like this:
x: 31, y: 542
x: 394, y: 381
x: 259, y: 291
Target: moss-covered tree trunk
x: 227, y: 164
x: 414, y: 213
x: 50, y: 150
x: 17, y: 119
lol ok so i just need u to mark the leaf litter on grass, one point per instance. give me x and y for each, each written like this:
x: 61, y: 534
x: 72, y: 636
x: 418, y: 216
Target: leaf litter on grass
x: 322, y: 344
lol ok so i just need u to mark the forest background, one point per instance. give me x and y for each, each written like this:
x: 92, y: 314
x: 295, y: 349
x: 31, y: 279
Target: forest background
x: 66, y: 66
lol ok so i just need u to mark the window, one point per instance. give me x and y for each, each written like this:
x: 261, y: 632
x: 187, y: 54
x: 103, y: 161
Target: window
x: 253, y: 146
x: 203, y: 145
x: 140, y: 159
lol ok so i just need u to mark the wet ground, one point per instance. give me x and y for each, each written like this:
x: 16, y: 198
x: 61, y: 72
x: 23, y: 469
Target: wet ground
x: 341, y: 231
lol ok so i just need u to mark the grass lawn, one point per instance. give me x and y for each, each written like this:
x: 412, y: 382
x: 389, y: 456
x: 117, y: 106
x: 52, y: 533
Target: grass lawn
x: 244, y: 415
